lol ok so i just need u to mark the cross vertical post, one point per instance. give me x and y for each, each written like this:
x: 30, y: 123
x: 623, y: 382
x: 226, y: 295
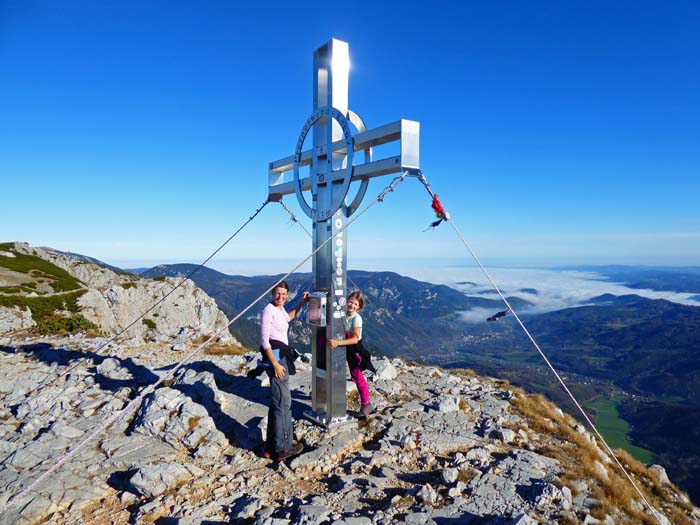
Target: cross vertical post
x: 331, y: 170
x: 329, y: 266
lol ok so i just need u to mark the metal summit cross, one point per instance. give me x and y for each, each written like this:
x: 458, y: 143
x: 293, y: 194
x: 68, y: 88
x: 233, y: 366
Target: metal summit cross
x: 331, y: 169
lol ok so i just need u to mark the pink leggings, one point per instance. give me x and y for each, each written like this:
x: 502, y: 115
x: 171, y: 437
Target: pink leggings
x: 360, y: 382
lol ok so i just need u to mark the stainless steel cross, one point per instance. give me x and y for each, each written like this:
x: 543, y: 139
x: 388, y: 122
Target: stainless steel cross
x: 332, y: 168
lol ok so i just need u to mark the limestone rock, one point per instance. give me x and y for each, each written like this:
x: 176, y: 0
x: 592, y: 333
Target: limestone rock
x: 660, y: 473
x: 427, y: 494
x: 385, y: 370
x: 449, y: 475
x: 153, y: 480
x: 179, y: 421
x: 15, y: 318
x: 446, y: 403
x: 524, y: 519
x: 505, y: 434
x: 111, y: 368
x: 437, y: 451
x: 188, y: 309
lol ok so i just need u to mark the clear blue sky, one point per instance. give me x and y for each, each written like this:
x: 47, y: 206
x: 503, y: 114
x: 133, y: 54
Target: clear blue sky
x: 142, y: 130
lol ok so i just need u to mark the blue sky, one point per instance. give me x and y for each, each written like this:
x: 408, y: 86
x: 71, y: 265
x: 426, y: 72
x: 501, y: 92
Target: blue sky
x: 552, y: 131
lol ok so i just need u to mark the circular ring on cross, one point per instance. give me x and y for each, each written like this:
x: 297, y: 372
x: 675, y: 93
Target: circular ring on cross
x: 349, y: 209
x: 323, y: 209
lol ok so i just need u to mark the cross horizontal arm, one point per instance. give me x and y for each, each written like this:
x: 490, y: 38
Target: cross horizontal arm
x: 368, y: 139
x: 405, y: 131
x: 370, y: 170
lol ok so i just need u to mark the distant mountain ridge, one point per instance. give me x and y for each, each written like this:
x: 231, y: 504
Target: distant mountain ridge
x: 403, y: 315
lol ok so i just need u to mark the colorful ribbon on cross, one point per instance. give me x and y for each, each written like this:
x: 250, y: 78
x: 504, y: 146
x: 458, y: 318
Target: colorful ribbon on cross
x: 440, y: 213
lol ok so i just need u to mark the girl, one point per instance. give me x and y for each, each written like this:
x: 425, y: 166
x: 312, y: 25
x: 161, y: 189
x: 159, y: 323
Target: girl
x: 358, y: 358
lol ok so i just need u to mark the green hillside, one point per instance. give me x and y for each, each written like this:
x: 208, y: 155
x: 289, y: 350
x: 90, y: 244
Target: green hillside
x: 50, y: 292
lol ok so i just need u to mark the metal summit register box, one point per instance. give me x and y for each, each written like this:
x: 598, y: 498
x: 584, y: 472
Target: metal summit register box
x: 316, y: 313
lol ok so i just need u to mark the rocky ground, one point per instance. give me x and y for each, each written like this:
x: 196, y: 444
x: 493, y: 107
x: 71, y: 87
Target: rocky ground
x: 441, y: 448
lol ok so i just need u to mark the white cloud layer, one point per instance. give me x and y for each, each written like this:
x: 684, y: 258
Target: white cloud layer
x: 555, y: 289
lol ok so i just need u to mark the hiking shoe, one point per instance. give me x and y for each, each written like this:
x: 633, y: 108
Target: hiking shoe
x: 264, y: 450
x: 297, y: 448
x: 366, y: 409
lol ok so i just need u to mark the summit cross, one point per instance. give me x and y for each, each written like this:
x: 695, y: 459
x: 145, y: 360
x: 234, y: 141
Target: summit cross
x: 332, y: 167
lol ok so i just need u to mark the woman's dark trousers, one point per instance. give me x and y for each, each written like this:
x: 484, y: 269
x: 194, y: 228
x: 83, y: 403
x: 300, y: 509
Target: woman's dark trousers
x: 280, y: 430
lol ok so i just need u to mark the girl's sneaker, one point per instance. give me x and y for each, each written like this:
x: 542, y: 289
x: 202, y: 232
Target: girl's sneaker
x: 366, y: 409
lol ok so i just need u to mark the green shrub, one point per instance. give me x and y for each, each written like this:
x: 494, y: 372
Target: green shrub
x: 10, y: 289
x: 43, y: 306
x: 57, y: 324
x: 159, y: 278
x: 61, y: 280
x: 150, y: 323
x: 126, y: 286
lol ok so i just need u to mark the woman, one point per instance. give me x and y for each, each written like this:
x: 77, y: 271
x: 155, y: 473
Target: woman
x: 274, y: 344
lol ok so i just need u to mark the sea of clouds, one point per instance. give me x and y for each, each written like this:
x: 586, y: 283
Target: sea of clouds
x: 546, y: 289
x: 554, y: 288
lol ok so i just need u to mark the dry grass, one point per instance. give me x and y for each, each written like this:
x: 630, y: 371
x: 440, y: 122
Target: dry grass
x: 225, y: 349
x: 403, y: 502
x: 465, y: 476
x: 192, y: 423
x: 567, y: 520
x: 216, y: 348
x: 354, y: 400
x: 503, y: 384
x: 463, y: 372
x: 578, y: 457
x: 108, y: 511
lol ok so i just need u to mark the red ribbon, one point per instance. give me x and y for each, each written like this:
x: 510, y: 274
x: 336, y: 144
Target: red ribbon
x: 437, y: 206
x: 439, y: 211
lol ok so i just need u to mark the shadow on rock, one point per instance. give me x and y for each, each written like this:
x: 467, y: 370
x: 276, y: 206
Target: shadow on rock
x: 112, y: 373
x: 239, y: 422
x: 46, y: 353
x: 245, y: 401
x: 189, y: 521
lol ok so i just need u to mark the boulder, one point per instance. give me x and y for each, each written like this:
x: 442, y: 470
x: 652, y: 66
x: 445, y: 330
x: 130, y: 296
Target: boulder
x: 427, y: 494
x: 111, y: 368
x: 385, y: 370
x: 15, y: 318
x: 179, y: 421
x: 154, y: 480
x: 660, y: 473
